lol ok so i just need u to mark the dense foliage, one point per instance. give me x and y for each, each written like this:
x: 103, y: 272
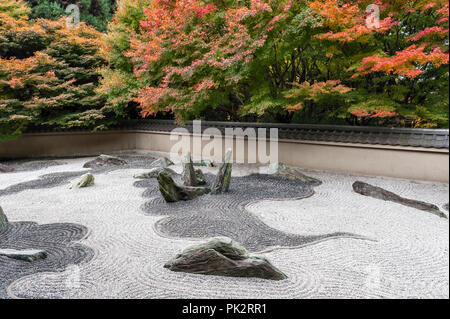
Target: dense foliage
x: 316, y: 61
x: 48, y: 73
x: 93, y: 12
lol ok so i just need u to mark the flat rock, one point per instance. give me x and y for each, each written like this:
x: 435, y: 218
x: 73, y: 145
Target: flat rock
x: 103, y: 160
x: 281, y: 169
x: 161, y: 162
x: 174, y: 193
x: 380, y: 193
x: 85, y: 180
x: 223, y: 178
x: 3, y: 221
x: 6, y: 169
x: 222, y: 256
x: 25, y: 255
x: 154, y: 172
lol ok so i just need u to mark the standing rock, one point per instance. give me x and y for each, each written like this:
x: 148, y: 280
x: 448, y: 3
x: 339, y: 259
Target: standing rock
x: 380, y: 193
x: 6, y: 169
x: 25, y: 255
x: 154, y: 172
x: 174, y: 193
x: 103, y: 160
x: 223, y: 178
x: 84, y: 181
x: 188, y: 176
x: 161, y: 162
x: 221, y: 256
x: 3, y: 221
x: 280, y: 169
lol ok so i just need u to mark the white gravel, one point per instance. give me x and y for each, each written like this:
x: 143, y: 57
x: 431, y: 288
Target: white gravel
x: 409, y: 258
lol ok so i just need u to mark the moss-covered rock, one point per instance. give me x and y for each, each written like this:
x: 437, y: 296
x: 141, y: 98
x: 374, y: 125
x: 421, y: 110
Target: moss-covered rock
x: 174, y: 193
x: 103, y: 160
x: 280, y: 169
x: 222, y: 256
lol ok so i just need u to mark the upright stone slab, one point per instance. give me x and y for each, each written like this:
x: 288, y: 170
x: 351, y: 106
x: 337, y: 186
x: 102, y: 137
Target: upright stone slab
x: 188, y: 176
x: 222, y: 256
x: 380, y: 193
x: 3, y: 221
x: 280, y: 169
x: 174, y: 193
x: 222, y: 181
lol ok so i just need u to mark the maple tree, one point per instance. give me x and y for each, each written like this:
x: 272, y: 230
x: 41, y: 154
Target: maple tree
x: 257, y: 59
x: 48, y: 73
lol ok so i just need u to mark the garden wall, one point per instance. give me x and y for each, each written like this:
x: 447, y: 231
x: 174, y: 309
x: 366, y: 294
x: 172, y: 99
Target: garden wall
x: 417, y: 163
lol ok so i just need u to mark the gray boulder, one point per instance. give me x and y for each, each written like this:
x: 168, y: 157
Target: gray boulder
x: 6, y: 169
x: 281, y: 169
x: 380, y: 193
x: 201, y: 179
x: 103, y: 160
x: 154, y: 172
x: 221, y: 256
x: 85, y: 180
x: 161, y: 162
x: 174, y: 193
x: 29, y: 255
x: 3, y: 221
x: 223, y: 178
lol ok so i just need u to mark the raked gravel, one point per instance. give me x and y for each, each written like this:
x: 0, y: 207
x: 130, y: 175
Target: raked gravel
x: 407, y: 259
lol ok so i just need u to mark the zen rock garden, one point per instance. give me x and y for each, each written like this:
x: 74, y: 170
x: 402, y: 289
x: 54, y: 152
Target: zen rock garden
x: 210, y: 223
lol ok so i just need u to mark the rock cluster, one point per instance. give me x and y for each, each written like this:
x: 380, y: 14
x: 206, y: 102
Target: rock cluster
x: 174, y: 193
x: 380, y: 193
x: 103, y: 160
x: 85, y: 180
x: 223, y: 178
x: 221, y: 256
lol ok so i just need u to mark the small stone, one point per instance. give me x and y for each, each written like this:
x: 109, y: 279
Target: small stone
x: 161, y: 162
x: 154, y: 172
x: 174, y: 193
x: 84, y: 181
x: 189, y: 176
x: 380, y: 193
x: 222, y: 256
x: 29, y: 255
x: 103, y: 160
x: 6, y: 169
x: 223, y: 178
x: 281, y: 169
x: 3, y: 221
